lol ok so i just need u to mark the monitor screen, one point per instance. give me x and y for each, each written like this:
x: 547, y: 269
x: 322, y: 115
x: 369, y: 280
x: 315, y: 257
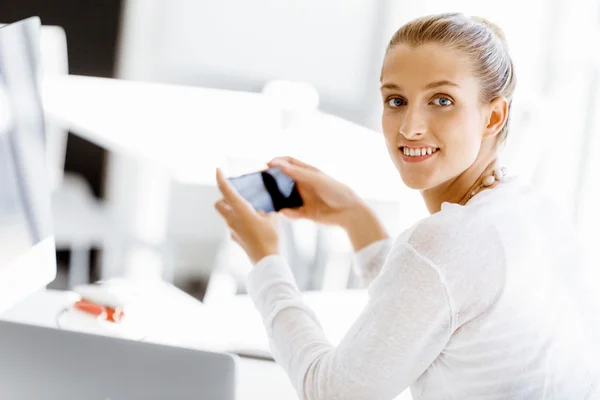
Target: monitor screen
x: 27, y: 258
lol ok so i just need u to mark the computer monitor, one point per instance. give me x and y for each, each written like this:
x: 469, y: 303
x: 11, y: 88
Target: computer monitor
x: 27, y: 250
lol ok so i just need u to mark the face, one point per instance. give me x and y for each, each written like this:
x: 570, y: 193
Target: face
x: 433, y: 120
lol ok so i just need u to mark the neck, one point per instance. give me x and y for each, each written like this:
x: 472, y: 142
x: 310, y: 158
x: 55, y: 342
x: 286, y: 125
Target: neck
x: 457, y: 190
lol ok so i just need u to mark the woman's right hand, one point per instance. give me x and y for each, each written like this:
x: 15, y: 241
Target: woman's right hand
x: 330, y: 202
x: 326, y: 200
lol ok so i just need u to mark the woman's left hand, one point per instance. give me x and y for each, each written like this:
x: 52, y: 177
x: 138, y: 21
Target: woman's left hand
x: 255, y: 231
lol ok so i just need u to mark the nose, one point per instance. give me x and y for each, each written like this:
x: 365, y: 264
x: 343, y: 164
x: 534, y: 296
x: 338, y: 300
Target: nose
x: 413, y: 124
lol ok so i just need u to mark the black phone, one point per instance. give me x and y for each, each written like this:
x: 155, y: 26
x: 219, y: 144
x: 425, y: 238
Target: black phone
x: 269, y: 190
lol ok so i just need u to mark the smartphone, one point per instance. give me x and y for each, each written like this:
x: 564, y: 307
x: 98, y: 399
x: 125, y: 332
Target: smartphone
x: 269, y: 190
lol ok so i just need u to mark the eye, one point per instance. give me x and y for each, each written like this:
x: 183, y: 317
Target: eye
x: 396, y: 102
x: 442, y: 101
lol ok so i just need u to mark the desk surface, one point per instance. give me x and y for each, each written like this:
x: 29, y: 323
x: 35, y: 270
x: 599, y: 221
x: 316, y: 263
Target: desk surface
x: 256, y: 379
x: 231, y: 325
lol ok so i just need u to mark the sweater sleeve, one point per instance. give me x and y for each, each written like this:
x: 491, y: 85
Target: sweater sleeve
x: 369, y: 260
x: 403, y: 328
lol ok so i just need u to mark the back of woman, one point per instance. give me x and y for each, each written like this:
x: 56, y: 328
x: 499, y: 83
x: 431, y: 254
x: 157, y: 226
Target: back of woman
x: 525, y: 315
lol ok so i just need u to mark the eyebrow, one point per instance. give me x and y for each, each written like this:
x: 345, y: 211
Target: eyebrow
x: 431, y: 85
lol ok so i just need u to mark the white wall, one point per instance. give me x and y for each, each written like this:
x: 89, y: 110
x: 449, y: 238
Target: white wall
x: 240, y: 45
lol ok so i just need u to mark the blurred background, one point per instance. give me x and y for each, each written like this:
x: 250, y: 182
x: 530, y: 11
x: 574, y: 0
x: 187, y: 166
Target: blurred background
x: 190, y: 85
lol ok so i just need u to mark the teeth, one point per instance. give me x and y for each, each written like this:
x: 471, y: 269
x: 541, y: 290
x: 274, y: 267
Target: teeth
x: 419, y: 152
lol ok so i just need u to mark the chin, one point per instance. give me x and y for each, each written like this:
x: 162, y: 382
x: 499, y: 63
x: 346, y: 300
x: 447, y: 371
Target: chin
x: 416, y: 184
x: 416, y: 181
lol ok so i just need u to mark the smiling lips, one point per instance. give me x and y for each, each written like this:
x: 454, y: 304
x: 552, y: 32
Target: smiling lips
x: 410, y: 154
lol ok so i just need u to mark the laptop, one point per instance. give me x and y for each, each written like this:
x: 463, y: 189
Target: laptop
x: 45, y: 363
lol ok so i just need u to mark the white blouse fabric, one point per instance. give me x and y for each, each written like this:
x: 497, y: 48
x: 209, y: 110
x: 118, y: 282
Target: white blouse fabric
x: 482, y: 301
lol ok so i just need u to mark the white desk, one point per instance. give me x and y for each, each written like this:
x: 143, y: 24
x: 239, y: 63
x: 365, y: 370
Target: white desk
x: 234, y: 324
x: 256, y: 379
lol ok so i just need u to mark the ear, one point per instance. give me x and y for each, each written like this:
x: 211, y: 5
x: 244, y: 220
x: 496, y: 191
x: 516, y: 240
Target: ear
x: 497, y: 116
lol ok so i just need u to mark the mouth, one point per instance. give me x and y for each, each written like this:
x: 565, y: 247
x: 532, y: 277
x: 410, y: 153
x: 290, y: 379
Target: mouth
x: 410, y: 154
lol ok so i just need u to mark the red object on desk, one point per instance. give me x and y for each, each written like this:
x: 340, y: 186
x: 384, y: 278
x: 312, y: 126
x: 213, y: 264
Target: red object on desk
x: 108, y: 313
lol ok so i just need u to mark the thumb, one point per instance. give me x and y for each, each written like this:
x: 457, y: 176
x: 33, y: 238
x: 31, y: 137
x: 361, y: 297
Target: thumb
x: 293, y: 213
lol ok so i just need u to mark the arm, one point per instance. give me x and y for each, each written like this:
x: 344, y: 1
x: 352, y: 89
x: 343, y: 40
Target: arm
x: 404, y: 327
x: 363, y: 227
x: 370, y: 260
x: 370, y: 241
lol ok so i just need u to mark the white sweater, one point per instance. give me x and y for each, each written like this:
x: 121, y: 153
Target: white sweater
x: 483, y: 301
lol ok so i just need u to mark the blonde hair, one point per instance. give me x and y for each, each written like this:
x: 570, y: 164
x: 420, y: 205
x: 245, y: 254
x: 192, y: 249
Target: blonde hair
x: 483, y: 43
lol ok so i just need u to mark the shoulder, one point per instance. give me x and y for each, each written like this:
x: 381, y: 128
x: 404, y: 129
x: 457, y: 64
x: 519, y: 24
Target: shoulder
x: 464, y: 247
x: 458, y: 242
x: 457, y: 234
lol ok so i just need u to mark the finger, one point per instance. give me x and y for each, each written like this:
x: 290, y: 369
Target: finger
x: 224, y: 209
x: 235, y: 237
x: 292, y: 161
x: 297, y: 173
x: 271, y: 216
x: 222, y: 204
x: 227, y: 213
x: 230, y: 194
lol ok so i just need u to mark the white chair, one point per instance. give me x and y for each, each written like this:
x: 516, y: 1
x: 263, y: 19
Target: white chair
x: 81, y: 222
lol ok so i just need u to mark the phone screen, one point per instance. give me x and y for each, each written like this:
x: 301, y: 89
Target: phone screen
x: 269, y: 190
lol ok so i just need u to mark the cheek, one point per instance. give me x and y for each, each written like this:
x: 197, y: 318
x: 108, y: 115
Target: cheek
x: 461, y: 136
x: 457, y: 130
x: 390, y: 126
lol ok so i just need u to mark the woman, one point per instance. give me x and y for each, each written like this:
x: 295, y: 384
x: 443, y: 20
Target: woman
x: 476, y: 301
